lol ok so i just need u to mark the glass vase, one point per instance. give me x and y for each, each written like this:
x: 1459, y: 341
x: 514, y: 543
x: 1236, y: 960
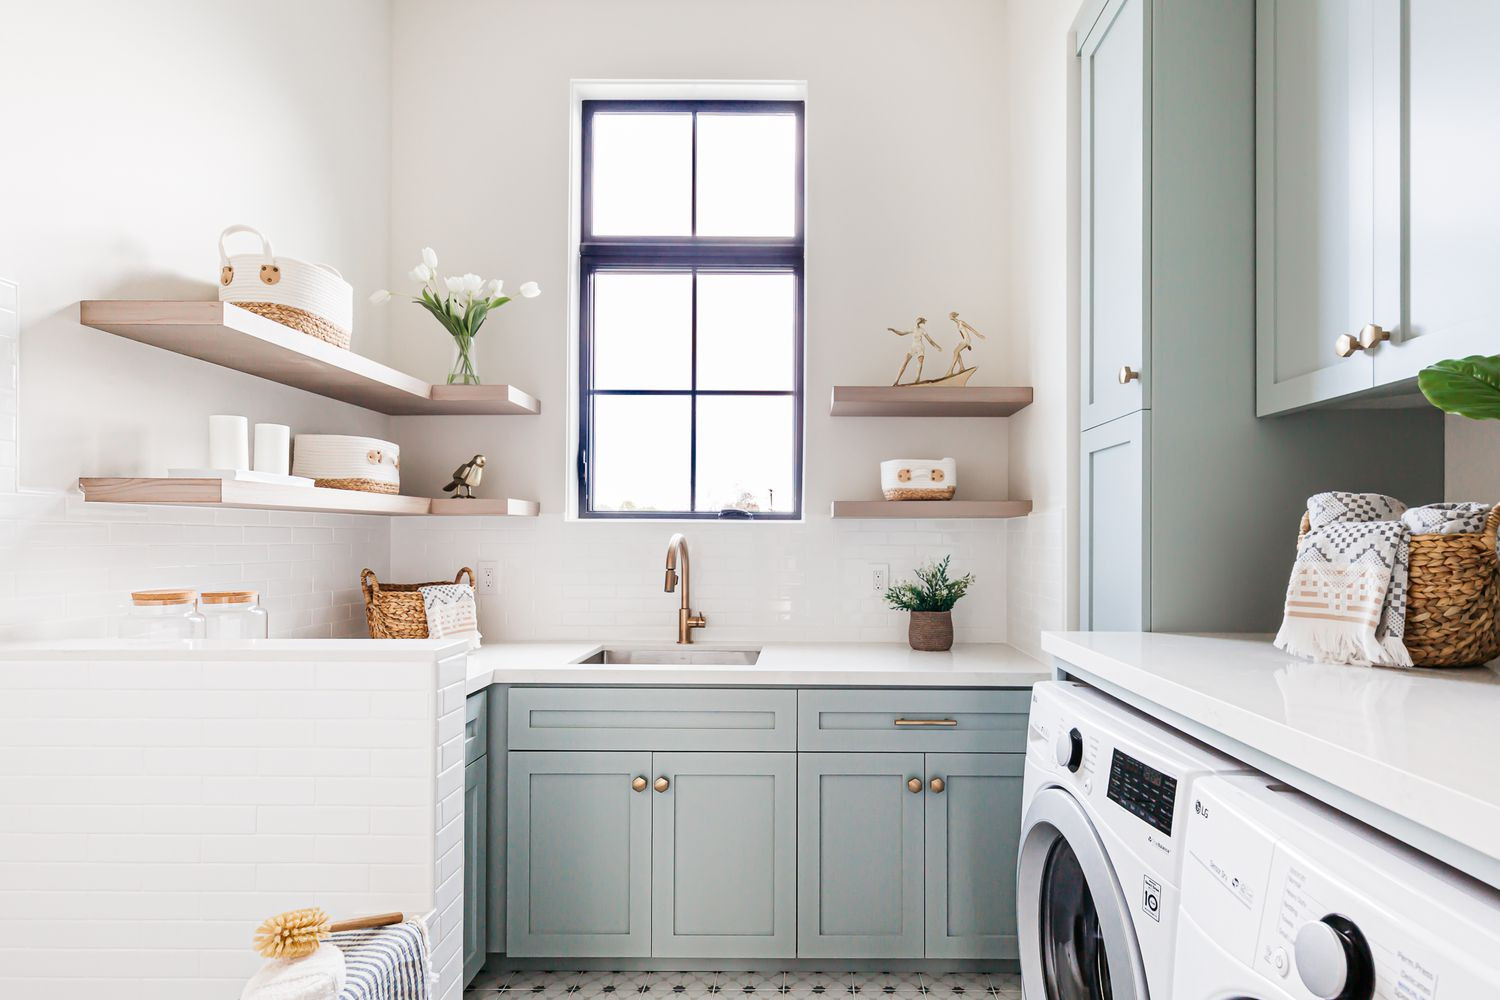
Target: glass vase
x: 463, y: 372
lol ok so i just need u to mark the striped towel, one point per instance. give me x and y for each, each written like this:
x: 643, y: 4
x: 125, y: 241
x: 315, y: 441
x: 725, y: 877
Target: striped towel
x: 386, y: 963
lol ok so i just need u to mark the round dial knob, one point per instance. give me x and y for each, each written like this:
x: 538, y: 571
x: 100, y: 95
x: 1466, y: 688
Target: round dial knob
x: 1069, y: 750
x: 1334, y: 961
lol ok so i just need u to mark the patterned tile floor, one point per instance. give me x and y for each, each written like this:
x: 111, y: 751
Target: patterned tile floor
x: 490, y: 985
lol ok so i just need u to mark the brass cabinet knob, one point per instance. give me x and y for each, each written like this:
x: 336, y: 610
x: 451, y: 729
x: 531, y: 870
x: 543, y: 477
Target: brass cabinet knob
x: 639, y: 784
x: 938, y: 784
x: 662, y: 784
x: 1128, y: 375
x: 914, y: 785
x: 1371, y: 335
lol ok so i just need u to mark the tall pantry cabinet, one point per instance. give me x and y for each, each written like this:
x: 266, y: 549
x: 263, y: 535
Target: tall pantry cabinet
x: 1189, y: 503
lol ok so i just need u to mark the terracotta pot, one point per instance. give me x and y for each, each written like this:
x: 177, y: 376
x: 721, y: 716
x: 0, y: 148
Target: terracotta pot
x: 931, y: 631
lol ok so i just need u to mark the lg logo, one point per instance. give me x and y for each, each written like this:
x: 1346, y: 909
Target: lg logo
x: 1200, y: 808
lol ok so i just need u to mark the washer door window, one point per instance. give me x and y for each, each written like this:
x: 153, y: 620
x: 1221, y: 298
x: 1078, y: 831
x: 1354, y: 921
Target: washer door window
x: 1077, y: 939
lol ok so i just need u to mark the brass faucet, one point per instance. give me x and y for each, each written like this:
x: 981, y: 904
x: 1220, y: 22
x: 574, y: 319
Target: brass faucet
x: 686, y: 620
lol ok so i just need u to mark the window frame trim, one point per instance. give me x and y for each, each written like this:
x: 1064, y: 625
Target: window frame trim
x: 695, y: 255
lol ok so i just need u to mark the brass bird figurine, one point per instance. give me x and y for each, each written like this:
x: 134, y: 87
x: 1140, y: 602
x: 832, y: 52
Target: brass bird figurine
x: 465, y: 478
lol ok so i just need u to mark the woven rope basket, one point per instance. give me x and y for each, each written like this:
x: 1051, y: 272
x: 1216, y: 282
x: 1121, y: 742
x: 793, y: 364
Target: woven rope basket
x: 300, y: 319
x: 930, y: 631
x: 1451, y: 597
x: 395, y: 610
x: 359, y: 485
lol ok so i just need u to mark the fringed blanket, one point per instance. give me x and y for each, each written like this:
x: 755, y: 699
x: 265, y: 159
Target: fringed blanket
x: 386, y: 963
x: 1346, y: 602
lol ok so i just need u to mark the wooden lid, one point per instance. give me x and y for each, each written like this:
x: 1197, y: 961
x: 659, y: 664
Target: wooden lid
x: 229, y: 596
x: 152, y: 598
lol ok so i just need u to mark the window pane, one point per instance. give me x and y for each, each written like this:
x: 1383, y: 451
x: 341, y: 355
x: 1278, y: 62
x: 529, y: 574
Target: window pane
x: 747, y: 175
x: 747, y: 327
x: 745, y: 453
x: 641, y: 448
x: 643, y: 331
x: 642, y: 175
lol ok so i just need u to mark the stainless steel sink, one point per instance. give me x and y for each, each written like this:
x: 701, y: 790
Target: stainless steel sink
x: 692, y: 656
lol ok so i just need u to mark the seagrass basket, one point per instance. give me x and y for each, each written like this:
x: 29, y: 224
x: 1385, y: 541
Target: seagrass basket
x: 396, y: 610
x: 1451, y: 597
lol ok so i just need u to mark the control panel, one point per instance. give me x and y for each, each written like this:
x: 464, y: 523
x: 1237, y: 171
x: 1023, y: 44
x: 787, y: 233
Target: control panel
x: 1142, y: 790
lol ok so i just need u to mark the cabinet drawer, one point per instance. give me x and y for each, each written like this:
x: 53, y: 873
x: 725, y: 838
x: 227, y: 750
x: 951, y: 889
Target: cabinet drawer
x: 969, y: 721
x: 476, y: 726
x: 652, y: 719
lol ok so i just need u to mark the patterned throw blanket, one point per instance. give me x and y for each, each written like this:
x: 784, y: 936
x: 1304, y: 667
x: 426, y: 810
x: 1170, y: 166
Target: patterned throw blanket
x: 451, y: 611
x: 1346, y: 602
x: 386, y: 963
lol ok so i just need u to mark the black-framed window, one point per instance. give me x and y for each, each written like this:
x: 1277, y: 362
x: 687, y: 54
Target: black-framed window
x: 691, y: 310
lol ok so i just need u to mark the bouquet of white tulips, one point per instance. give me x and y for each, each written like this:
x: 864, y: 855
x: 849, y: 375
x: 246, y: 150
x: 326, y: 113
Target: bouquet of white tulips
x: 461, y: 304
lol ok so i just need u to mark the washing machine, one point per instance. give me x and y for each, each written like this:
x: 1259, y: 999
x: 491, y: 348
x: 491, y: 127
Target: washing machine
x: 1284, y: 898
x: 1107, y: 791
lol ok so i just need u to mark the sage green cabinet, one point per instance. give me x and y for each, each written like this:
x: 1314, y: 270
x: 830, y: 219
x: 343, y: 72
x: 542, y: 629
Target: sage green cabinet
x: 476, y: 836
x: 724, y: 841
x: 859, y: 845
x: 973, y: 830
x: 908, y: 855
x: 578, y: 857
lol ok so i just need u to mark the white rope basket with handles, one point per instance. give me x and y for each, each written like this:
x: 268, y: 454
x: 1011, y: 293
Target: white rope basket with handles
x: 312, y: 298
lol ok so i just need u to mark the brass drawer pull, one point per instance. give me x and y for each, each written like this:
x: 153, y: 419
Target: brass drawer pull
x: 914, y: 785
x: 639, y: 784
x: 927, y: 722
x: 938, y: 784
x: 662, y: 784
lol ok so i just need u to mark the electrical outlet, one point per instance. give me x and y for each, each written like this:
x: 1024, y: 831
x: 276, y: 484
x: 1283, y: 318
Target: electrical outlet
x: 489, y: 577
x: 880, y: 576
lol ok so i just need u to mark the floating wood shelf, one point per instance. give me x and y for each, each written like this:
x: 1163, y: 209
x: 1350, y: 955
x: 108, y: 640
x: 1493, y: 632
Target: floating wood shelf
x: 485, y: 508
x: 226, y: 335
x: 265, y: 496
x: 913, y: 509
x: 928, y: 400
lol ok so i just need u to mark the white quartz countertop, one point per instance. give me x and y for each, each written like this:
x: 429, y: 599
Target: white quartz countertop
x: 1413, y: 752
x: 780, y: 664
x: 378, y: 650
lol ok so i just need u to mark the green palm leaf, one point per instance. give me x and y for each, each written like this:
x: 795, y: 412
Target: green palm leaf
x: 1468, y: 386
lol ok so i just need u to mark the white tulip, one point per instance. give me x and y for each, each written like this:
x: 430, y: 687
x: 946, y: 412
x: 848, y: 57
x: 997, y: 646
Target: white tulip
x: 429, y: 257
x: 492, y: 288
x: 380, y: 297
x: 473, y: 282
x: 531, y: 290
x: 456, y: 306
x: 455, y: 284
x: 421, y: 273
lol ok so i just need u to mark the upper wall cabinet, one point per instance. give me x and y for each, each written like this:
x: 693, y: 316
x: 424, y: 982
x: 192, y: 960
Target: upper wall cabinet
x: 1115, y: 207
x: 1351, y: 296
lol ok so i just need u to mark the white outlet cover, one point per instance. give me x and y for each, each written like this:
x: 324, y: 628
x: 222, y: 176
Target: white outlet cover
x: 880, y: 575
x: 489, y: 574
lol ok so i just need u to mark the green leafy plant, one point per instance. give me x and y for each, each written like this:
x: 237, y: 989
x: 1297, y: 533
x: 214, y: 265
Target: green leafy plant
x: 1468, y: 386
x: 931, y: 591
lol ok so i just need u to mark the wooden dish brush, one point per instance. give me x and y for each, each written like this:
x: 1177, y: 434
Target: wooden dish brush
x: 297, y: 933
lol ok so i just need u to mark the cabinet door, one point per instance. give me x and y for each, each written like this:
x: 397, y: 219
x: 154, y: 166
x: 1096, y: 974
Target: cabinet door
x: 578, y: 855
x: 1113, y: 527
x: 859, y: 855
x: 1453, y: 202
x: 1115, y: 211
x: 724, y: 839
x: 476, y: 871
x: 973, y: 836
x: 1328, y: 198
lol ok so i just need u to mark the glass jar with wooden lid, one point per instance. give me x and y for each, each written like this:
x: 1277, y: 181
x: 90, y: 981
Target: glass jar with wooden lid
x: 234, y: 614
x: 162, y: 616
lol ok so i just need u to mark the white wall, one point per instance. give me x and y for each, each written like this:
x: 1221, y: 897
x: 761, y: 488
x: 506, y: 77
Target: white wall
x: 156, y: 806
x: 1041, y: 315
x: 907, y: 214
x: 133, y: 133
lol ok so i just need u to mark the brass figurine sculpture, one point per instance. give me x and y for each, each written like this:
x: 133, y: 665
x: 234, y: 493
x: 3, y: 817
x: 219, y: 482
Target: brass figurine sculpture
x: 920, y: 338
x: 465, y: 478
x: 965, y: 331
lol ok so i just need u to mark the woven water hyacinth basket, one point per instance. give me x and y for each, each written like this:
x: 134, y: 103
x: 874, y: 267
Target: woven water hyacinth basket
x: 396, y: 610
x: 309, y: 297
x: 1451, y: 597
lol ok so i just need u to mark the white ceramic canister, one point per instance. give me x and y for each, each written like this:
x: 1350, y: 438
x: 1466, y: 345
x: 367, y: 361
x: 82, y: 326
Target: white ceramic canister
x: 228, y: 442
x: 273, y: 449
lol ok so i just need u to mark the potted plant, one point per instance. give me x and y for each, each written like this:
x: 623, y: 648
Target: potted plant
x: 460, y: 303
x: 1469, y: 387
x: 930, y: 599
